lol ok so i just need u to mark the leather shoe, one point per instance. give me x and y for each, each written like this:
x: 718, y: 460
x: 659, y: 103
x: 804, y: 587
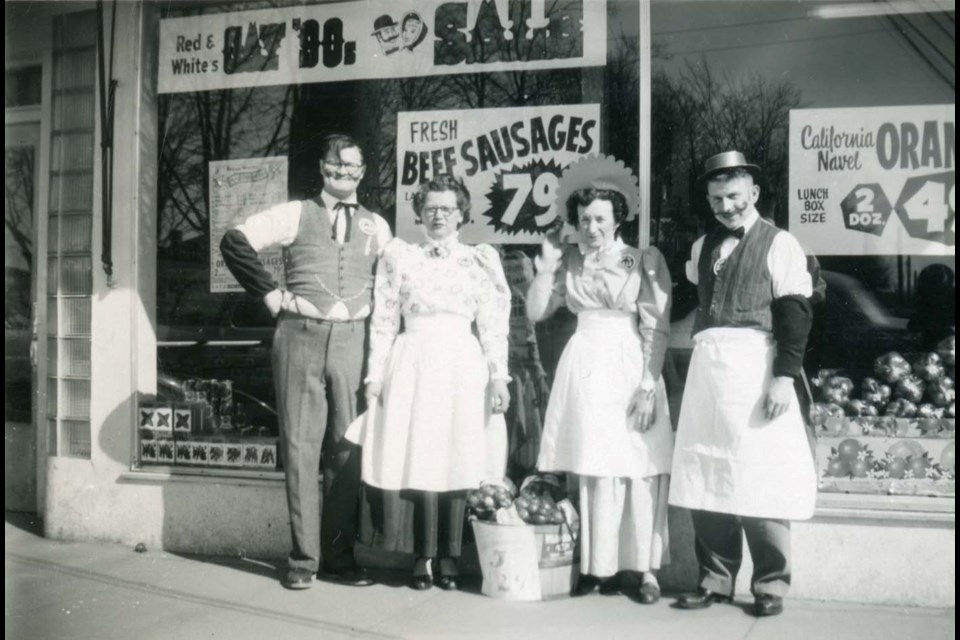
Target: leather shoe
x: 298, y: 579
x: 421, y: 582
x: 447, y: 583
x: 354, y: 576
x: 701, y: 599
x: 648, y: 593
x: 609, y: 586
x: 767, y: 604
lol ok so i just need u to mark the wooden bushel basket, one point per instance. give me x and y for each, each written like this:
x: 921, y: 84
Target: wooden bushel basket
x: 527, y: 563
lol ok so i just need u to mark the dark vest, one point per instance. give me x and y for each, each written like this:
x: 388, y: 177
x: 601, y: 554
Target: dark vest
x: 325, y: 272
x: 741, y: 293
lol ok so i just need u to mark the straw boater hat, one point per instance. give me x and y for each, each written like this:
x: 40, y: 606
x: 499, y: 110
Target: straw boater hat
x: 598, y: 172
x: 726, y: 161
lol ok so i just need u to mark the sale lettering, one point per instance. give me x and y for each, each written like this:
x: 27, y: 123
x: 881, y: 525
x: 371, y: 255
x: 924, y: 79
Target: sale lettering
x: 507, y: 144
x: 480, y: 31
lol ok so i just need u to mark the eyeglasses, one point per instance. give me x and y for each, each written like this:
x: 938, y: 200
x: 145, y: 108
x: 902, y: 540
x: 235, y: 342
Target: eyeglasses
x: 446, y: 212
x: 349, y: 167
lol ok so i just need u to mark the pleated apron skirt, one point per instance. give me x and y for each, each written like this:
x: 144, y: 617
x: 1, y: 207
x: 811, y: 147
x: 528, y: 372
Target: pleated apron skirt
x: 434, y: 430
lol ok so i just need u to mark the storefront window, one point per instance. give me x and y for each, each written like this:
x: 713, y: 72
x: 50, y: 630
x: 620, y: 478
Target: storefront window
x: 819, y: 97
x: 208, y: 330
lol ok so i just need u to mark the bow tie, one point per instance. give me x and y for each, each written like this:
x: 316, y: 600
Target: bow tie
x: 737, y: 233
x: 349, y: 209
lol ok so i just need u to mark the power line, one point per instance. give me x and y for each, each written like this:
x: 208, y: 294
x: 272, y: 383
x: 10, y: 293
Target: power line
x: 930, y: 44
x: 951, y: 82
x: 779, y: 42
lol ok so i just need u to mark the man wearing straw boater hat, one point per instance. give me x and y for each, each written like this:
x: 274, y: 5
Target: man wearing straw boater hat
x: 742, y: 463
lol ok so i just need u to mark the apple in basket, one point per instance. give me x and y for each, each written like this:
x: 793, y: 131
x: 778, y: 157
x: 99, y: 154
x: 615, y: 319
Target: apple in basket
x: 947, y: 350
x: 821, y: 411
x: 875, y: 392
x: 941, y: 392
x: 861, y: 408
x: 910, y: 387
x: 837, y: 389
x: 928, y: 367
x: 901, y: 408
x: 890, y: 367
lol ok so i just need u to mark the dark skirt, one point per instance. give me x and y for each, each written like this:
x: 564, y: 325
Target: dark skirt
x: 424, y: 523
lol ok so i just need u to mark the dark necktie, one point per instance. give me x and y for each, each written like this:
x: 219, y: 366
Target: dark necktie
x: 346, y: 209
x: 737, y: 233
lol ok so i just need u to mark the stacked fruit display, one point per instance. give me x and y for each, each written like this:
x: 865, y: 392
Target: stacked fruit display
x: 922, y: 393
x: 894, y: 431
x: 540, y: 500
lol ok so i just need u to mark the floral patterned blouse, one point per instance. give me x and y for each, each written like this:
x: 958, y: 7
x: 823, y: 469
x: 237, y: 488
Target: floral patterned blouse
x: 440, y: 277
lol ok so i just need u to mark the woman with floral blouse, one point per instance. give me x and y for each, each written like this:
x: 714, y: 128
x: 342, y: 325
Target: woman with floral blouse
x: 607, y: 419
x: 437, y: 391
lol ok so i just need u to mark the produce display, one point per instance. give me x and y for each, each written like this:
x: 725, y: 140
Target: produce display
x: 893, y: 432
x: 540, y: 500
x: 921, y: 392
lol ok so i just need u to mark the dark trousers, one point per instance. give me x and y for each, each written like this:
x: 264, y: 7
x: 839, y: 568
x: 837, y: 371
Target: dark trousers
x: 719, y: 547
x: 317, y: 373
x: 438, y: 523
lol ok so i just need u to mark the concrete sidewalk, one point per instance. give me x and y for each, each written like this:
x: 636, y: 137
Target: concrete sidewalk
x: 76, y: 591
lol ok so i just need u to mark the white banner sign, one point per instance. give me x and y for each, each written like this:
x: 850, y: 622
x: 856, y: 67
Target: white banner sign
x: 873, y: 181
x: 378, y: 39
x: 239, y: 188
x: 510, y: 159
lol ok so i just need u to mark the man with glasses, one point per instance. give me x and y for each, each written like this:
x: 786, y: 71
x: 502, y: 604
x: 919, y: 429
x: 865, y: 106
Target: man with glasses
x: 330, y: 247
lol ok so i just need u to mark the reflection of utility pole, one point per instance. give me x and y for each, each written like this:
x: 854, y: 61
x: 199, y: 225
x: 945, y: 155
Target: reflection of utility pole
x: 900, y: 295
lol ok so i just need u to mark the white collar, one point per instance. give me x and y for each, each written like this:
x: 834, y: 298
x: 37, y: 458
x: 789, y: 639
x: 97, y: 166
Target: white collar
x: 329, y: 201
x: 585, y: 249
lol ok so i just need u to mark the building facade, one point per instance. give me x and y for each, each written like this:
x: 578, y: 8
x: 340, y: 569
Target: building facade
x: 138, y: 396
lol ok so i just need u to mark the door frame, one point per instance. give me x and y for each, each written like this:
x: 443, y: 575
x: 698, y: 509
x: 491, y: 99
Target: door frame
x: 39, y: 115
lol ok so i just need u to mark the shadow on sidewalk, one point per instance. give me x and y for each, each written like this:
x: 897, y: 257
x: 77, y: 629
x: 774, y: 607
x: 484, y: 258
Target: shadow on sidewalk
x: 28, y: 522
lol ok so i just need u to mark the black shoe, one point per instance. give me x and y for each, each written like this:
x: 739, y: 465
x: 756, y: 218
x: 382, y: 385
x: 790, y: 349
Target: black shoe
x: 298, y: 579
x: 586, y: 584
x: 447, y: 583
x: 767, y: 604
x: 701, y: 599
x: 609, y: 586
x: 648, y: 593
x: 354, y: 576
x: 421, y: 582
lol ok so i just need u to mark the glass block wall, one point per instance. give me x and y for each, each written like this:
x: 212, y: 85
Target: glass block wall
x: 70, y: 226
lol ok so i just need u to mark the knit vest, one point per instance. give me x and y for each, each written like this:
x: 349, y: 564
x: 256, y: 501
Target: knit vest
x: 325, y: 272
x: 741, y: 293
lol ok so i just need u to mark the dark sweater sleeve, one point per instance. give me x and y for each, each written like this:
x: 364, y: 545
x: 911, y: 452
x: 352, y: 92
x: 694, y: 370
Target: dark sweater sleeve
x: 245, y: 265
x: 792, y: 318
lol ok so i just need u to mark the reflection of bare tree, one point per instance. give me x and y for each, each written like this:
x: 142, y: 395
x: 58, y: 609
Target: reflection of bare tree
x: 696, y: 114
x: 18, y: 224
x: 197, y: 128
x: 18, y: 198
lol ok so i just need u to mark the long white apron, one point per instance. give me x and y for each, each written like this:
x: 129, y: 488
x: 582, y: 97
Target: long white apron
x: 586, y: 428
x: 728, y: 457
x: 433, y: 429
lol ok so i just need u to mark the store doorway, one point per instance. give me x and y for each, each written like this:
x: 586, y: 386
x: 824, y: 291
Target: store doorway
x: 20, y: 330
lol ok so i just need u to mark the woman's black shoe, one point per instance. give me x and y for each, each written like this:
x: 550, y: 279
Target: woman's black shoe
x: 447, y: 583
x: 421, y: 583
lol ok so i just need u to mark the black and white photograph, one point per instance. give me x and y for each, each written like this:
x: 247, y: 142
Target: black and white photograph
x: 493, y: 319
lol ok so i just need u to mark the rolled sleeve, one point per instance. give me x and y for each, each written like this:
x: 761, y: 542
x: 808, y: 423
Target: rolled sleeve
x: 273, y: 227
x: 788, y: 267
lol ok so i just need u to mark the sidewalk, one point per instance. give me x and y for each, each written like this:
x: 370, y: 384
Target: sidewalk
x: 76, y: 591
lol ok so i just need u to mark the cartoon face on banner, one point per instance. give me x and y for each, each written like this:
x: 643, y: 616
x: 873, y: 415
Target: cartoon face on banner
x: 510, y: 159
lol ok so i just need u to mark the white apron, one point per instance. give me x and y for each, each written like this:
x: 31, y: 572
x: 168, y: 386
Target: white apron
x: 433, y: 429
x: 586, y: 429
x: 729, y: 458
